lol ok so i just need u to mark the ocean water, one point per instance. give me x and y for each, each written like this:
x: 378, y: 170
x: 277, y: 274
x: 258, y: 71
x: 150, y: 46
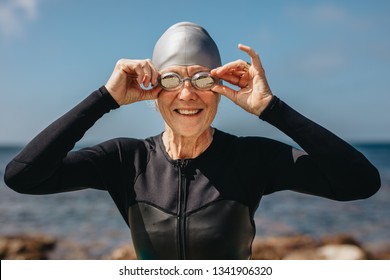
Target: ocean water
x: 90, y: 218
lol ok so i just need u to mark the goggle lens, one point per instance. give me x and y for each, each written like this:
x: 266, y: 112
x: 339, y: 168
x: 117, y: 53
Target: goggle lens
x: 170, y: 81
x: 203, y: 81
x: 173, y: 81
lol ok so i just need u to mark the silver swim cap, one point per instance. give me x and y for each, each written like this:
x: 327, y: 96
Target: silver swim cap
x: 186, y: 43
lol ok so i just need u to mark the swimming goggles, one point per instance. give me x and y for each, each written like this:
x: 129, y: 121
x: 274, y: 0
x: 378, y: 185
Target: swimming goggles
x: 172, y: 81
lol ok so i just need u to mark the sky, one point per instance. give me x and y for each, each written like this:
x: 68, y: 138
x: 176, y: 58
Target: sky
x: 329, y: 60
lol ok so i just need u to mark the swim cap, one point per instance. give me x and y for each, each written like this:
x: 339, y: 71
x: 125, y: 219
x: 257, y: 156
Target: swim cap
x: 186, y: 43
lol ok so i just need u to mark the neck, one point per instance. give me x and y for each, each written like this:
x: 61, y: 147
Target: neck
x: 182, y: 147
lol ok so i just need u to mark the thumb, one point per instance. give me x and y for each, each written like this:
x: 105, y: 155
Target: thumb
x: 226, y: 91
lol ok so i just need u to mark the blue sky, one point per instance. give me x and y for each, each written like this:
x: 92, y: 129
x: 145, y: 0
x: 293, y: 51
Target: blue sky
x: 330, y: 60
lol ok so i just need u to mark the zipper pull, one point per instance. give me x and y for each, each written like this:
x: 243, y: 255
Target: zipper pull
x: 182, y: 163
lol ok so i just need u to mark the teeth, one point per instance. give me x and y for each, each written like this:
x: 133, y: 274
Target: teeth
x: 188, y: 112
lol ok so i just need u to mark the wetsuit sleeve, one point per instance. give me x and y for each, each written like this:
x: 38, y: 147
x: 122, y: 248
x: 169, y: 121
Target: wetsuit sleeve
x: 330, y: 167
x: 47, y: 165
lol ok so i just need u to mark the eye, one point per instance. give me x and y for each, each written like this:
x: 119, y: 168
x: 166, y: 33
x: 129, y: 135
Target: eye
x: 170, y: 80
x: 203, y: 80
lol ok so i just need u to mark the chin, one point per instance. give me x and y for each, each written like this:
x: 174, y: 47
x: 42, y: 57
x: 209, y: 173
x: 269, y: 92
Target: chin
x: 190, y: 131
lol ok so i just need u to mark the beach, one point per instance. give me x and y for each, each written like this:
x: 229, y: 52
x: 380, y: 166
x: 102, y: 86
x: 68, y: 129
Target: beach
x: 87, y: 225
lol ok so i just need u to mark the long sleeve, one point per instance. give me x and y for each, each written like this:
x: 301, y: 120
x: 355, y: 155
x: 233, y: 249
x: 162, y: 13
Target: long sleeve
x: 332, y: 168
x: 41, y: 160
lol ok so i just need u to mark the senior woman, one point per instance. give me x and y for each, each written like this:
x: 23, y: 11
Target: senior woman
x: 191, y: 192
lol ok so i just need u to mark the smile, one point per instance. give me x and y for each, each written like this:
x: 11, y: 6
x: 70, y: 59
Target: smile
x: 187, y: 112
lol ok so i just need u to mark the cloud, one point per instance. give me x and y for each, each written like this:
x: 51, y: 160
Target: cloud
x: 14, y: 14
x: 323, y: 60
x: 315, y: 62
x: 325, y: 14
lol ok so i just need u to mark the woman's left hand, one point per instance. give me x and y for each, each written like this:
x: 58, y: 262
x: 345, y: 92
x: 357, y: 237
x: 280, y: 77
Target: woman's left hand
x: 254, y: 93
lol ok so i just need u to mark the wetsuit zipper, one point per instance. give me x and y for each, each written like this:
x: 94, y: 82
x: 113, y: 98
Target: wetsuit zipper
x: 181, y: 225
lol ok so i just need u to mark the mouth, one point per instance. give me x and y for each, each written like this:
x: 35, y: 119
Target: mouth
x: 188, y: 112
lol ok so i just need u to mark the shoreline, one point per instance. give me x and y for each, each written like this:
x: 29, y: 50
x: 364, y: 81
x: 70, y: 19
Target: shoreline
x: 294, y: 247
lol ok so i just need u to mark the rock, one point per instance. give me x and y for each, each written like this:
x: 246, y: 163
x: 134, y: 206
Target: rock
x: 378, y: 251
x: 328, y: 252
x: 339, y: 239
x: 263, y: 251
x: 298, y: 247
x: 125, y: 252
x: 383, y: 255
x: 342, y: 252
x: 69, y: 250
x: 275, y: 248
x: 26, y: 247
x: 304, y: 254
x: 3, y: 248
x: 301, y: 247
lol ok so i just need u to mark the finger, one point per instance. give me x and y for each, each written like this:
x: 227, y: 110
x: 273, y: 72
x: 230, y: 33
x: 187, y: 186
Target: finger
x: 140, y: 73
x: 147, y: 74
x: 255, y: 59
x: 226, y: 91
x: 152, y: 93
x: 230, y: 78
x: 126, y: 66
x: 154, y: 73
x: 214, y: 71
x: 238, y: 66
x: 133, y: 84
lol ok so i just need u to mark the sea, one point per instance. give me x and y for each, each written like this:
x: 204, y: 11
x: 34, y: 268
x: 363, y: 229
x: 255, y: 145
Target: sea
x: 90, y: 218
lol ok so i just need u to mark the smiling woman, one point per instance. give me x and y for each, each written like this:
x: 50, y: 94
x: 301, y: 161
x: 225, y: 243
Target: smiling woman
x: 188, y: 113
x: 191, y: 192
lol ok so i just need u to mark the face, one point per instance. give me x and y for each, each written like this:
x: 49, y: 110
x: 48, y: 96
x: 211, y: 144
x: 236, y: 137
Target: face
x: 187, y: 111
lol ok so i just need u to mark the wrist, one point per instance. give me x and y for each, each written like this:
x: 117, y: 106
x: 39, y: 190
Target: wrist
x: 105, y: 92
x: 269, y: 107
x: 263, y: 105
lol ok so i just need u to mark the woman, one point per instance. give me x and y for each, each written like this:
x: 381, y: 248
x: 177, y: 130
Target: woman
x: 192, y: 191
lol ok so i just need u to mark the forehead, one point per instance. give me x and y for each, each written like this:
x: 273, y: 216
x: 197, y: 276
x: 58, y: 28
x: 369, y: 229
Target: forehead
x: 185, y: 70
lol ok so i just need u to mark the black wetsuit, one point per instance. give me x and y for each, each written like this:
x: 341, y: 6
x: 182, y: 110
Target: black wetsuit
x: 198, y: 208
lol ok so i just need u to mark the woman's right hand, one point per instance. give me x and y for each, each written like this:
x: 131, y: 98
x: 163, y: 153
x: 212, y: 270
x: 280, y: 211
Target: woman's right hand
x: 125, y: 82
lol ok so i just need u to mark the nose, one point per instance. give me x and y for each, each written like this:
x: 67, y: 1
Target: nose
x: 187, y: 92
